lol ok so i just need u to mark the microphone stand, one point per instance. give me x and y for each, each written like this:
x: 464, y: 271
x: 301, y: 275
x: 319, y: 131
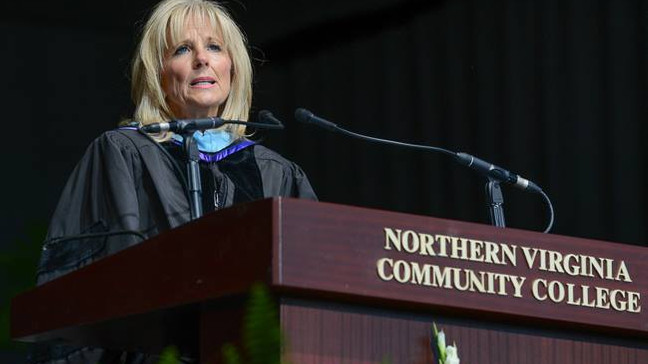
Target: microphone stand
x: 495, y: 202
x: 186, y: 128
x: 193, y: 174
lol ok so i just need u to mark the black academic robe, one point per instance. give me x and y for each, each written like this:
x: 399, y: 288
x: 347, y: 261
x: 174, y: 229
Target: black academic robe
x: 127, y: 187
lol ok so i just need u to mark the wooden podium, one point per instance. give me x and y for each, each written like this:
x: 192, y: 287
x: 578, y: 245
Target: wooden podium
x: 356, y: 285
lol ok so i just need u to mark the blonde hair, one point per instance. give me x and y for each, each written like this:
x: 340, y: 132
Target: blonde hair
x: 160, y: 31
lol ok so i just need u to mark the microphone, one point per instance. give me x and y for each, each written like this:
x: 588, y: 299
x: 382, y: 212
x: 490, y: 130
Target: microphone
x: 308, y: 117
x: 491, y: 171
x: 185, y: 126
x: 266, y: 117
x: 488, y: 169
x: 497, y: 173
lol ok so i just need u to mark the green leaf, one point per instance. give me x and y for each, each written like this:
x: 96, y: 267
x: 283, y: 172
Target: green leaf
x: 231, y: 355
x: 262, y: 335
x: 170, y: 355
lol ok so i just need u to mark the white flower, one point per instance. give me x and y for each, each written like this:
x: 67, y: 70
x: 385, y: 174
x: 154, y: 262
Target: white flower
x: 441, y: 343
x: 451, y: 354
x: 441, y: 339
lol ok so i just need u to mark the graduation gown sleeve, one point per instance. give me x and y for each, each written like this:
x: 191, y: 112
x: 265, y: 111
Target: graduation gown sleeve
x: 122, y: 184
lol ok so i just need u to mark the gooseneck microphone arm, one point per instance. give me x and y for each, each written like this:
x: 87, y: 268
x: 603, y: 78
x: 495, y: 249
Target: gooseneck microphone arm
x: 308, y: 117
x: 182, y: 126
x: 186, y: 128
x: 493, y: 173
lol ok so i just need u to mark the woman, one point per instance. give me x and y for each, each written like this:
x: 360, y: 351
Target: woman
x: 192, y: 62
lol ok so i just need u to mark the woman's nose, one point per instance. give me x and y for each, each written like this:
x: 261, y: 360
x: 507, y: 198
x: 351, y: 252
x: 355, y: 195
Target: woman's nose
x: 200, y: 58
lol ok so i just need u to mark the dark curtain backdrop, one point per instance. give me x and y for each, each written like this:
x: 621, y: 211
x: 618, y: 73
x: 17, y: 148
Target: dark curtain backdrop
x: 553, y: 90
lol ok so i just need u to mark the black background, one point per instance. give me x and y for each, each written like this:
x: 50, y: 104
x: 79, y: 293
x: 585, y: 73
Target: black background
x: 553, y: 90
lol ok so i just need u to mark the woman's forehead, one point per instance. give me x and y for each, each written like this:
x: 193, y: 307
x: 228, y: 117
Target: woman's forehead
x: 199, y: 23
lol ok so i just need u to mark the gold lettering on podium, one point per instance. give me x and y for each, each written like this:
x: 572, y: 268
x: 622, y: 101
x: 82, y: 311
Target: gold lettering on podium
x: 437, y: 271
x: 586, y: 296
x: 576, y: 264
x: 450, y: 246
x: 449, y: 278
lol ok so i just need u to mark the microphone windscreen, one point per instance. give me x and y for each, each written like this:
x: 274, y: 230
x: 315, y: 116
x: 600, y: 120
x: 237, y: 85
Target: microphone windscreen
x: 265, y: 116
x: 303, y: 115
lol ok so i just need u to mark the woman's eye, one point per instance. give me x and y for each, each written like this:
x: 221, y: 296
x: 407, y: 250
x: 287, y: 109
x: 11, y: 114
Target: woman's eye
x: 181, y: 50
x: 214, y: 47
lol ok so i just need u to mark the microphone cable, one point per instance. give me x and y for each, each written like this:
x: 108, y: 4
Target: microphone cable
x: 55, y: 241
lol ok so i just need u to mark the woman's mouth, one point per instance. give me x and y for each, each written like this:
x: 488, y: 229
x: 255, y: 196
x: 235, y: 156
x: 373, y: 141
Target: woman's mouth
x: 202, y: 82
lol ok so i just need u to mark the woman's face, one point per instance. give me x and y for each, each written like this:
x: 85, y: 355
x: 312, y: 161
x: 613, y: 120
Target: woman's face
x: 196, y: 72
